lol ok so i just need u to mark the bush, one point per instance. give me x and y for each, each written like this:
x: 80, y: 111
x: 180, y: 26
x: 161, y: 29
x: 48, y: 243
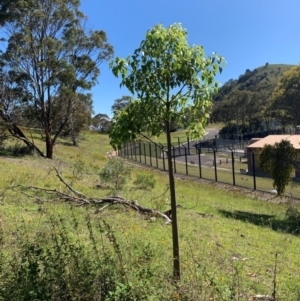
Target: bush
x: 279, y: 161
x: 145, y: 181
x: 16, y: 150
x: 56, y: 264
x: 116, y: 172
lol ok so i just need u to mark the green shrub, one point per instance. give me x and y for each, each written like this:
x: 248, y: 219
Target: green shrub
x: 50, y: 266
x: 116, y: 172
x: 145, y: 181
x: 16, y: 150
x: 78, y: 167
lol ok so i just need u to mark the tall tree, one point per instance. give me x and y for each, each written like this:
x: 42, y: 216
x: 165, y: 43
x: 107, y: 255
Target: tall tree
x: 102, y: 122
x: 167, y: 75
x: 57, y: 57
x: 120, y: 104
x: 8, y: 9
x: 286, y: 98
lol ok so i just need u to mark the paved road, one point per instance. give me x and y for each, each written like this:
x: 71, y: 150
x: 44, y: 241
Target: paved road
x: 211, y: 133
x: 205, y: 159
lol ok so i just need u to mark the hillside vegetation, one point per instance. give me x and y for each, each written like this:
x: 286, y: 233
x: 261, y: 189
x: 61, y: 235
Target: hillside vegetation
x: 54, y: 250
x: 243, y: 105
x: 261, y: 80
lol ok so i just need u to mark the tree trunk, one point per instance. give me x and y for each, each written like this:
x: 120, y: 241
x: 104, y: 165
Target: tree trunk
x: 49, y: 145
x: 175, y: 239
x: 17, y: 132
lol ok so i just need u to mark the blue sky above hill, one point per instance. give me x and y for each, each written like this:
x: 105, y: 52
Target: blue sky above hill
x: 247, y: 33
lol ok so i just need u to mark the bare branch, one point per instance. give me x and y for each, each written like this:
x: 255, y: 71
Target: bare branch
x: 81, y: 200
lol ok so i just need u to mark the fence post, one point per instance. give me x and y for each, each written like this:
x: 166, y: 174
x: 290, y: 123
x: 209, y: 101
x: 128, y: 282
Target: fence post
x: 131, y: 155
x: 135, y: 151
x: 150, y: 154
x: 178, y: 145
x: 232, y: 162
x: 145, y: 154
x: 253, y: 170
x: 199, y: 160
x: 188, y: 141
x: 173, y: 157
x: 215, y: 161
x: 163, y: 156
x: 186, y: 165
x: 156, y: 156
x: 125, y: 151
x: 140, y: 150
x: 254, y: 175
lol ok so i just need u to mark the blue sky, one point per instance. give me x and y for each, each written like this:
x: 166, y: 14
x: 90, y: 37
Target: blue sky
x: 247, y: 33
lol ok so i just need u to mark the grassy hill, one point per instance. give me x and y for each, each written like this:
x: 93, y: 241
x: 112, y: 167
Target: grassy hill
x: 261, y: 80
x: 56, y: 250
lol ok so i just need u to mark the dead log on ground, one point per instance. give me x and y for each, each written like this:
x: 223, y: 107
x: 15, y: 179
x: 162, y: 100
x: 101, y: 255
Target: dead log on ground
x: 80, y: 199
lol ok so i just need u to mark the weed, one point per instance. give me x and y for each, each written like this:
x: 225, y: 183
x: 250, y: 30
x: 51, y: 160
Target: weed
x: 78, y: 167
x: 116, y: 172
x: 145, y: 181
x: 16, y: 150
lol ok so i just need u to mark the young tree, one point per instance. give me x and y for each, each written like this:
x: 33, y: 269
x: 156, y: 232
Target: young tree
x: 49, y: 46
x: 167, y: 76
x: 278, y: 160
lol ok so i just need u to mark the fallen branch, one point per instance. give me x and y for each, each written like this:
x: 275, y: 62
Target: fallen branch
x: 81, y: 199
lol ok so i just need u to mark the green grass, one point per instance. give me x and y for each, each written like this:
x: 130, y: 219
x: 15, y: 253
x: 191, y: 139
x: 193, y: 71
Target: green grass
x: 228, y: 241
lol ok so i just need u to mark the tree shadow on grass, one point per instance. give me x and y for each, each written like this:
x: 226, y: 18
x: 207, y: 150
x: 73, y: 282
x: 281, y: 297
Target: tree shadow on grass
x: 289, y: 225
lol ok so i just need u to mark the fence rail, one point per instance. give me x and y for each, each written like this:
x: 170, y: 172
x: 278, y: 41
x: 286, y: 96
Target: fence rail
x: 233, y: 166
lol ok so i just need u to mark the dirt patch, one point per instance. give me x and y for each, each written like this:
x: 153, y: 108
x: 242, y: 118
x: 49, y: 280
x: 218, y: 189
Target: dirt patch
x: 111, y: 154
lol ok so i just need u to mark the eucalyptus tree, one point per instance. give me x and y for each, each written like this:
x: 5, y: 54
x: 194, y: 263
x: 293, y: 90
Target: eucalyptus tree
x: 167, y: 76
x: 120, y: 104
x: 7, y: 8
x: 101, y: 122
x: 58, y: 59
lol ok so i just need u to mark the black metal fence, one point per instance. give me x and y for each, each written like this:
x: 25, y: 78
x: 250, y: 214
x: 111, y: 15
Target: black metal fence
x: 221, y: 144
x: 237, y: 167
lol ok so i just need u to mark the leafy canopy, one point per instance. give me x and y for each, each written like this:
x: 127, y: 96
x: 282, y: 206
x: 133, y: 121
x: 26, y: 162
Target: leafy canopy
x: 167, y: 76
x: 279, y: 161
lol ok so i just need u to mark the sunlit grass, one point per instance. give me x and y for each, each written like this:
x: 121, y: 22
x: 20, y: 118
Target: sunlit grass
x: 220, y: 230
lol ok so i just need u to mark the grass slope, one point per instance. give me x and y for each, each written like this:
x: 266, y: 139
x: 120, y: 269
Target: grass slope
x: 228, y: 241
